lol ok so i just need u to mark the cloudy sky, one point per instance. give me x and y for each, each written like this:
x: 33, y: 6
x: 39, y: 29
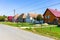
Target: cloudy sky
x: 26, y: 6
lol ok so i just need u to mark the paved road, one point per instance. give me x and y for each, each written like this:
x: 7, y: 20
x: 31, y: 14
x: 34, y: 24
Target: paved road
x: 10, y: 33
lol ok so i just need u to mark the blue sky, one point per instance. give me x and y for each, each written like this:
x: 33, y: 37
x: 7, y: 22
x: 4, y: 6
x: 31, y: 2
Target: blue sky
x: 26, y: 6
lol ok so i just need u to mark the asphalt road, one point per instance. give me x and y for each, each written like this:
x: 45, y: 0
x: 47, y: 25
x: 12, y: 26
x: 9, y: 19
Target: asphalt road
x: 10, y: 33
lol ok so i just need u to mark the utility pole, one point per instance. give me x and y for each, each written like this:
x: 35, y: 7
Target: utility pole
x: 14, y: 12
x: 14, y: 15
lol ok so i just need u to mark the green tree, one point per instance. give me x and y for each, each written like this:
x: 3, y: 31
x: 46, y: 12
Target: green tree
x: 5, y: 18
x: 39, y: 17
x: 2, y: 18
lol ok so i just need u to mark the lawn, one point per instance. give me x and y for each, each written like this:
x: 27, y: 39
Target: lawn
x: 47, y: 31
x: 25, y: 24
x: 18, y: 24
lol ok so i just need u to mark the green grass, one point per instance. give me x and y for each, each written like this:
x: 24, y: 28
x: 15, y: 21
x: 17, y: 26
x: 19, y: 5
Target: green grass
x: 24, y: 24
x: 9, y: 23
x: 18, y: 24
x: 47, y: 31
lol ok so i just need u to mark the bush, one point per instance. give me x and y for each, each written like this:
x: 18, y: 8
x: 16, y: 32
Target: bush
x: 2, y: 18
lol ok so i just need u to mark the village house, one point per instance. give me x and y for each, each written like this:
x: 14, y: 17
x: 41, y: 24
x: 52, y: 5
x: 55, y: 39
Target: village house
x: 31, y: 18
x: 22, y: 18
x: 52, y: 16
x: 10, y: 18
x: 19, y: 18
x: 15, y: 18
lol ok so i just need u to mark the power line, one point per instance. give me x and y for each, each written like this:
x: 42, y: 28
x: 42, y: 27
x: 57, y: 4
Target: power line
x: 39, y: 3
x: 46, y: 6
x: 35, y: 3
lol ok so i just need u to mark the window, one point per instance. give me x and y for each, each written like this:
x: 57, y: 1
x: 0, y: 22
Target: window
x: 47, y: 17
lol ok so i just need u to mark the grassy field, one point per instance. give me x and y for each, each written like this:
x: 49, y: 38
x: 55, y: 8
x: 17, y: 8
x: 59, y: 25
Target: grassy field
x: 48, y: 31
x: 26, y: 24
x: 18, y: 24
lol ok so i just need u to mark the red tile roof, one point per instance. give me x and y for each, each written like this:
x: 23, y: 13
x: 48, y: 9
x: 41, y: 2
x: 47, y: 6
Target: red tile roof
x: 55, y: 12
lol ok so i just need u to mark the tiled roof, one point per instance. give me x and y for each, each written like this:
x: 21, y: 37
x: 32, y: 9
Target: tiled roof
x: 55, y: 12
x: 33, y: 15
x: 23, y: 15
x: 10, y: 17
x: 16, y: 16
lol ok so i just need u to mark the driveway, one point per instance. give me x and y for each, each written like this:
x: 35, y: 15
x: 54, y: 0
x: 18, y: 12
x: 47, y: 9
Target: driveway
x: 11, y: 33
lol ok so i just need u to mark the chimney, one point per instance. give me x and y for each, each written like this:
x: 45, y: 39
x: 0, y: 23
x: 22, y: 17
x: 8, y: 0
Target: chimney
x: 56, y: 9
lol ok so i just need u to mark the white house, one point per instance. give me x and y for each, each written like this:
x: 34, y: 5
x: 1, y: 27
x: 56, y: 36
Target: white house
x: 31, y: 17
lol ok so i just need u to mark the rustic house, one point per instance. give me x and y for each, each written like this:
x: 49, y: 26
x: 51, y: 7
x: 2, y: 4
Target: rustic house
x: 52, y: 16
x: 15, y: 18
x: 22, y: 18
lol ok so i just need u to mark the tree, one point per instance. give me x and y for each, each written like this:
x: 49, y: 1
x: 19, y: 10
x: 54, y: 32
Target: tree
x: 1, y: 18
x: 4, y: 16
x: 39, y: 17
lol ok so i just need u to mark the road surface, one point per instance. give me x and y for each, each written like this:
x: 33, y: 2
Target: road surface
x: 11, y: 33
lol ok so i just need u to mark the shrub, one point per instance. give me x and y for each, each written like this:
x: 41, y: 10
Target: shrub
x: 2, y: 18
